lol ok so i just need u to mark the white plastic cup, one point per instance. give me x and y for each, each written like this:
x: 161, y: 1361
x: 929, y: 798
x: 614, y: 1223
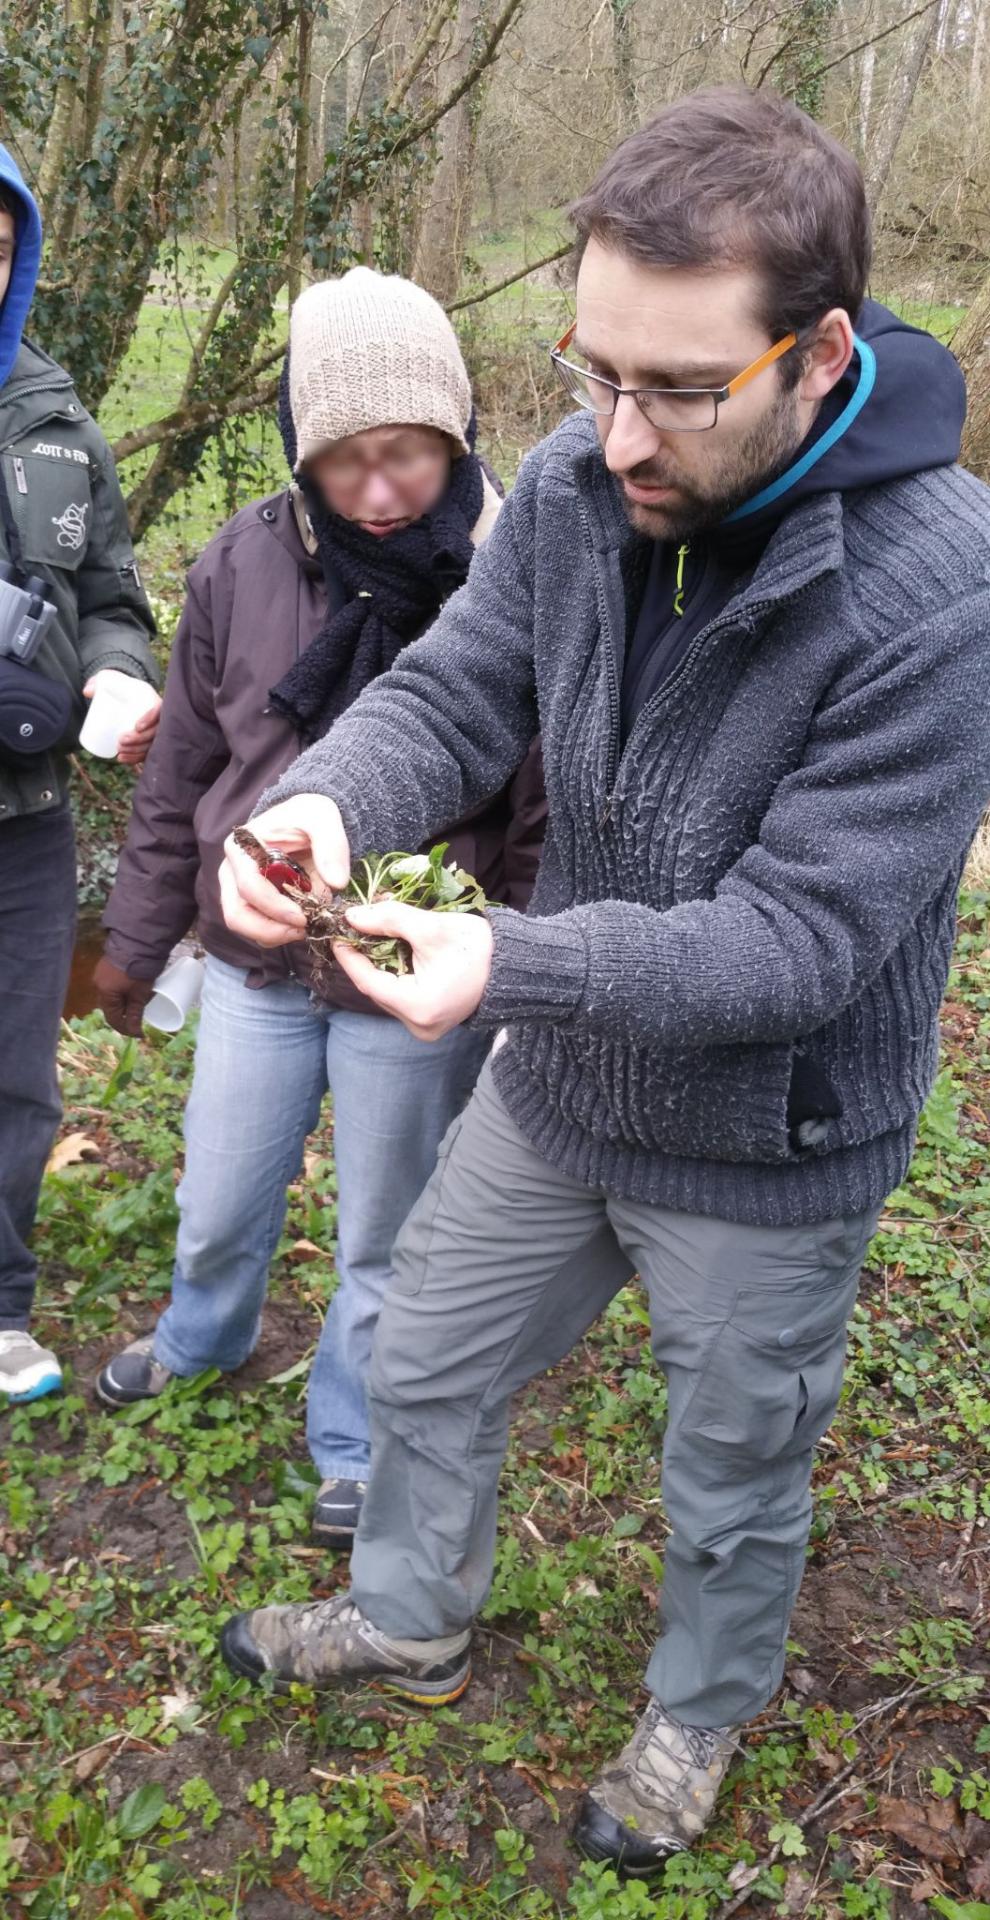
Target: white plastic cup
x: 116, y: 706
x: 177, y: 991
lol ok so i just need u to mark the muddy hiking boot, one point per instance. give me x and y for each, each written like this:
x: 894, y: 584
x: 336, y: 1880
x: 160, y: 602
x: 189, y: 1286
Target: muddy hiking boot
x: 337, y: 1512
x: 27, y: 1369
x: 134, y: 1374
x: 657, y: 1796
x: 329, y: 1643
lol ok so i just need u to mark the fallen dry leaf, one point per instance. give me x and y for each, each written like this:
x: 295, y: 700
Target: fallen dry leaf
x: 70, y: 1151
x: 306, y: 1250
x: 978, y: 1877
x: 931, y: 1830
x: 91, y: 1762
x: 174, y: 1705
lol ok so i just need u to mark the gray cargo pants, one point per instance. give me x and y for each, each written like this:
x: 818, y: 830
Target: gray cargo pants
x: 501, y: 1267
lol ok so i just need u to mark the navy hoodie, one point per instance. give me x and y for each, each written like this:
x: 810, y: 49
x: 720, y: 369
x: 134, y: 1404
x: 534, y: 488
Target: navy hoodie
x: 897, y: 410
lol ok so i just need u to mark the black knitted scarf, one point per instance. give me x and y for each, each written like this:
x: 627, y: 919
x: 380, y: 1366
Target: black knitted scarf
x: 395, y: 585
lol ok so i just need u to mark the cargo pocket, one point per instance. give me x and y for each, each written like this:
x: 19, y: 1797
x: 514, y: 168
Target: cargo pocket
x: 773, y: 1377
x: 52, y: 505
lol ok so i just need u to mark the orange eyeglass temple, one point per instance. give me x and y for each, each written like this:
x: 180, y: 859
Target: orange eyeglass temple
x: 748, y: 373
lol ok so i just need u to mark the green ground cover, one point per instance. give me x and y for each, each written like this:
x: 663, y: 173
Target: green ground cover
x: 141, y: 1778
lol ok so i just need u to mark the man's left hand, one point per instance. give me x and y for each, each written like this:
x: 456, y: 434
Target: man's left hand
x: 452, y: 959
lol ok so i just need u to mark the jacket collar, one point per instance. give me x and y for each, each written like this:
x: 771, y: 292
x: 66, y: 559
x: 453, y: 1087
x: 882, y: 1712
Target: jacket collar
x: 490, y: 507
x: 31, y: 366
x: 807, y: 545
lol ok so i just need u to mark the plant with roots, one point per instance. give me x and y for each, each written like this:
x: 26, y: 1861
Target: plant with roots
x: 412, y: 879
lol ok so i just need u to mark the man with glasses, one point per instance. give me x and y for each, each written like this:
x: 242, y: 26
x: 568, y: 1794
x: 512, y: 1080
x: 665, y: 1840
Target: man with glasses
x: 745, y: 595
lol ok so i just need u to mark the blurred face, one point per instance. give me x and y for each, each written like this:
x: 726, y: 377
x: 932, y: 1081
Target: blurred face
x: 383, y: 479
x: 643, y: 326
x: 7, y: 238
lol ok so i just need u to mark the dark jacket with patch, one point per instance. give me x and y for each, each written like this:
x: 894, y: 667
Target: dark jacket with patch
x: 70, y: 529
x: 72, y: 525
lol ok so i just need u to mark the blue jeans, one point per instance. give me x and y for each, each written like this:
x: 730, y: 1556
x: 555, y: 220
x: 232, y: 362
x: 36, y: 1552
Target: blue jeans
x: 264, y: 1060
x: 37, y: 927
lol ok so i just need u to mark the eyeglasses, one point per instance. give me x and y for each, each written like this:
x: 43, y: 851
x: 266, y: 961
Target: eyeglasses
x: 676, y: 409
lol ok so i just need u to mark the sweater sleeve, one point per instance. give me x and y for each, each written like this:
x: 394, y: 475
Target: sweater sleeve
x: 445, y: 729
x: 153, y: 902
x: 867, y: 830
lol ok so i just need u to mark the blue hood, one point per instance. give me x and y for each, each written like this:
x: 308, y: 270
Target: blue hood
x: 898, y: 409
x: 24, y: 273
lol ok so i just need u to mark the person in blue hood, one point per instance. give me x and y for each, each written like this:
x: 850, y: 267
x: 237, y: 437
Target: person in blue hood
x: 72, y: 608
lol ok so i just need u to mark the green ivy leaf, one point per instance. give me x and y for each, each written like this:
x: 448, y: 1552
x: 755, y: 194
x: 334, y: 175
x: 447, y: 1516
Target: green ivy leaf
x: 141, y: 1811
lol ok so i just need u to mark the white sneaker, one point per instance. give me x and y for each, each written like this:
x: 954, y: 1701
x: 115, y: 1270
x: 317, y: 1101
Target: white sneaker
x: 27, y: 1369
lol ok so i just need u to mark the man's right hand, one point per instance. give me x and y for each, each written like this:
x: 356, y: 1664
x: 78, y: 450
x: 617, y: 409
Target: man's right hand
x: 310, y: 828
x: 121, y: 999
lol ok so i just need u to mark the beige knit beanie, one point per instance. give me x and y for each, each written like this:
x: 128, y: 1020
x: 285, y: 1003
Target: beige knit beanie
x: 372, y: 350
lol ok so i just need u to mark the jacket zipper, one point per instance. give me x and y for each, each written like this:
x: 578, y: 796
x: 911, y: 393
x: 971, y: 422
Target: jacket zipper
x: 611, y: 761
x: 20, y: 476
x: 753, y: 613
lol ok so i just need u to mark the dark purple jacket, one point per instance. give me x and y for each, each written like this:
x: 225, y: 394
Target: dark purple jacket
x: 256, y: 598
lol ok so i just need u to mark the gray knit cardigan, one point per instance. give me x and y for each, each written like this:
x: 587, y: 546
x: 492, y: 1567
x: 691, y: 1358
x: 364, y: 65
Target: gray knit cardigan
x: 773, y: 857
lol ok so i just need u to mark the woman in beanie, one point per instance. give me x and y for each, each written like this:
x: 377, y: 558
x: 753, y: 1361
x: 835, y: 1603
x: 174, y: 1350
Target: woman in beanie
x: 298, y: 603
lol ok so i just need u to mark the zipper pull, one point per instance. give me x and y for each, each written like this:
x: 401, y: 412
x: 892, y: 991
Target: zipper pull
x: 682, y: 554
x: 20, y: 476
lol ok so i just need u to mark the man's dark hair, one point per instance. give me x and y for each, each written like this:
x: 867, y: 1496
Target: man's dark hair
x: 726, y: 177
x: 10, y: 202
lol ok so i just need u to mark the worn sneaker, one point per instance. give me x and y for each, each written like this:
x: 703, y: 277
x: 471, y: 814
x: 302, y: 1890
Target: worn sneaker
x: 27, y: 1369
x: 329, y: 1643
x: 337, y: 1512
x: 657, y: 1797
x: 134, y: 1374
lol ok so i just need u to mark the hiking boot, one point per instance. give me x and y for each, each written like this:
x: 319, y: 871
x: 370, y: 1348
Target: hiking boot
x: 27, y: 1369
x: 329, y: 1643
x: 657, y: 1797
x: 337, y: 1512
x: 134, y: 1374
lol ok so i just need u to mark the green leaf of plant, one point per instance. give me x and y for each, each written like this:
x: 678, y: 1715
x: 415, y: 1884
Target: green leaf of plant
x: 409, y: 866
x: 447, y: 885
x: 141, y: 1811
x: 626, y: 1525
x: 122, y: 1074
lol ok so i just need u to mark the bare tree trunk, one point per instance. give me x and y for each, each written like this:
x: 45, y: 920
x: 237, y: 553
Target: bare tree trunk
x: 800, y: 71
x: 237, y: 175
x: 971, y: 347
x: 977, y: 80
x: 622, y: 54
x: 356, y: 101
x: 865, y: 100
x: 903, y: 87
x: 446, y: 216
x: 63, y: 113
x: 300, y: 176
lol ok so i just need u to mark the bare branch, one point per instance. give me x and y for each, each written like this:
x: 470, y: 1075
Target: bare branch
x: 199, y: 417
x: 427, y: 121
x: 499, y: 286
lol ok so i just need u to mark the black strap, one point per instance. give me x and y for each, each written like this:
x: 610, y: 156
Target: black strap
x: 11, y: 530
